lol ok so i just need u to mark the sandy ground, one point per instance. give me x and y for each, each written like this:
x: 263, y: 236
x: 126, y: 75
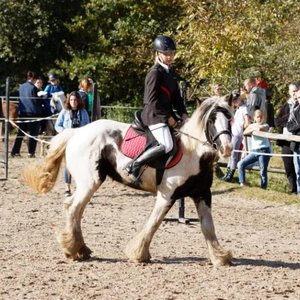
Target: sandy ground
x: 264, y: 239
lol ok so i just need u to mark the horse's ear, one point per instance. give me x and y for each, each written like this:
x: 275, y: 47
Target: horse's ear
x: 228, y: 99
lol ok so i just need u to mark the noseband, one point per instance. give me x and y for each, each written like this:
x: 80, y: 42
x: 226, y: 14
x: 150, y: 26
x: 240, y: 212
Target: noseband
x: 216, y: 136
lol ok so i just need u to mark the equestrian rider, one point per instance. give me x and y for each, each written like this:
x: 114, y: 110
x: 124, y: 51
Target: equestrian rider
x: 161, y: 95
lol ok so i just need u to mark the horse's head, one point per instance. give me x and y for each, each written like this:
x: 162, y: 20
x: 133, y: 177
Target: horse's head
x: 217, y: 130
x: 58, y: 100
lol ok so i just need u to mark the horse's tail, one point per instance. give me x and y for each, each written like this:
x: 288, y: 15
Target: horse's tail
x: 42, y: 176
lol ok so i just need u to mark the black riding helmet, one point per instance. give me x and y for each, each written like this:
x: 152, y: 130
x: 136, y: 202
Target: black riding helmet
x: 164, y: 43
x: 235, y: 95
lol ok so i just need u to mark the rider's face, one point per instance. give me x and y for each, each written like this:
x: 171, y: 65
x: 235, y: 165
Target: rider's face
x: 167, y: 57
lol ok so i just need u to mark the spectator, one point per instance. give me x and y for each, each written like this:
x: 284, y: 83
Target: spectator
x: 51, y: 88
x: 281, y: 122
x: 30, y: 106
x: 293, y: 126
x: 94, y: 107
x: 269, y: 110
x: 260, y: 80
x: 259, y: 145
x: 256, y: 96
x: 240, y: 123
x: 85, y: 87
x: 42, y: 94
x: 39, y: 84
x: 72, y: 116
x: 217, y: 90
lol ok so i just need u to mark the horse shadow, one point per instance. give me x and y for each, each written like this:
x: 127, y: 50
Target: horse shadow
x: 237, y: 262
x: 265, y: 263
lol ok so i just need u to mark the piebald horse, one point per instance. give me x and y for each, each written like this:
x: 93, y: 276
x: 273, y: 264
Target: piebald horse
x: 93, y: 152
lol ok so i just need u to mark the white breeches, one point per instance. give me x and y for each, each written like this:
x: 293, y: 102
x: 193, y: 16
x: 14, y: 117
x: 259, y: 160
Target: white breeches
x: 163, y: 135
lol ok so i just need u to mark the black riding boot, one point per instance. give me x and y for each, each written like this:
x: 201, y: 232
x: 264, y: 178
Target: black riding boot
x: 229, y: 176
x: 226, y: 174
x: 134, y: 167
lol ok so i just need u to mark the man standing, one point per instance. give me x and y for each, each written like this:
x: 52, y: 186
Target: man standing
x: 30, y: 106
x: 281, y: 122
x: 256, y: 96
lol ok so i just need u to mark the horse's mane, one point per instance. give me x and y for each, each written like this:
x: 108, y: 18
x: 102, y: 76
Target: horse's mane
x: 193, y: 131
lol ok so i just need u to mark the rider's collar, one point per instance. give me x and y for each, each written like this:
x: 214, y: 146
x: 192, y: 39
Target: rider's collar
x: 164, y: 66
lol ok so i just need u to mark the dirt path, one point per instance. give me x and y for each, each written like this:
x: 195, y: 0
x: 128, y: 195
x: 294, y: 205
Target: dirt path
x: 264, y: 239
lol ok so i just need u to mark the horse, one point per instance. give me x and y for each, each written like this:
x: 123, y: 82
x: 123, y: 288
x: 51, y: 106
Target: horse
x: 13, y: 115
x: 57, y: 102
x: 93, y: 152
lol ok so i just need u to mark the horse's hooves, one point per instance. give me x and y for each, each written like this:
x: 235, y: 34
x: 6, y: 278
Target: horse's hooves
x: 83, y: 254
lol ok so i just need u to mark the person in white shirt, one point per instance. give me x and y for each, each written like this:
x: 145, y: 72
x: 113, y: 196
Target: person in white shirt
x: 240, y: 122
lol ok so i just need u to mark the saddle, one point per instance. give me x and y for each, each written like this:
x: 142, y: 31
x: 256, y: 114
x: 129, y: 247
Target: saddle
x: 139, y: 139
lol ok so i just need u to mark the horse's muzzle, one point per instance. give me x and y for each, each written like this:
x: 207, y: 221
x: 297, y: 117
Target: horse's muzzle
x: 226, y: 150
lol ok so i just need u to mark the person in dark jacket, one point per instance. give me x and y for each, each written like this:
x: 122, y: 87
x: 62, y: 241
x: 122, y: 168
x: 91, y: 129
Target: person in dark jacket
x: 269, y: 110
x: 30, y: 106
x: 256, y: 98
x: 293, y: 126
x: 161, y: 95
x: 281, y: 122
x: 85, y: 86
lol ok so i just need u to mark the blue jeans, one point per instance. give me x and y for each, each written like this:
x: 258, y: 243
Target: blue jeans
x: 33, y: 128
x: 263, y: 161
x: 234, y: 158
x: 67, y: 176
x: 296, y: 159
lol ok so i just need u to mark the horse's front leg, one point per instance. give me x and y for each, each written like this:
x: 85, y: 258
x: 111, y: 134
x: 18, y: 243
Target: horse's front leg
x: 218, y: 255
x: 137, y: 249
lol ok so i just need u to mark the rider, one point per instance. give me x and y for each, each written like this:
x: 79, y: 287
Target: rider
x: 160, y: 96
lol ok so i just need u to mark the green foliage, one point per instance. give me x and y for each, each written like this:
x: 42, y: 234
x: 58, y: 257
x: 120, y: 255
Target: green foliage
x: 111, y: 42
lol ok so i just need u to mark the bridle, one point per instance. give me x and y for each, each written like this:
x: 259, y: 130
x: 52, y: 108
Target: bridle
x: 211, y: 141
x: 214, y: 139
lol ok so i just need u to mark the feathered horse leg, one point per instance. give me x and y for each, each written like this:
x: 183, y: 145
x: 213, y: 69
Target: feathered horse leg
x: 218, y: 255
x: 137, y: 249
x: 71, y: 238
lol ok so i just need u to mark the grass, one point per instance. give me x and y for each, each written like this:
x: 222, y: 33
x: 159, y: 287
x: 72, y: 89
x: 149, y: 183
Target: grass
x: 278, y: 187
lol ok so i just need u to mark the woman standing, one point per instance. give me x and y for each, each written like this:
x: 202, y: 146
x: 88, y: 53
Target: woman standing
x: 85, y: 86
x: 161, y: 95
x: 72, y: 116
x: 240, y: 122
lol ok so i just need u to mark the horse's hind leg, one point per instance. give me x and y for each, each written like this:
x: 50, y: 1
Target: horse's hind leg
x: 218, y: 255
x: 71, y: 238
x: 137, y: 249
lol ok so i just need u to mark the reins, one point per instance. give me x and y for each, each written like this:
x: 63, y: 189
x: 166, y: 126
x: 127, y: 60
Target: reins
x: 198, y: 140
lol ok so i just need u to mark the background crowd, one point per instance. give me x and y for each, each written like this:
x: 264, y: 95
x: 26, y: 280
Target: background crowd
x: 253, y: 110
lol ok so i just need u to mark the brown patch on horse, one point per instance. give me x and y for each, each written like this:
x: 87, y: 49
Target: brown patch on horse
x: 198, y: 186
x: 13, y: 111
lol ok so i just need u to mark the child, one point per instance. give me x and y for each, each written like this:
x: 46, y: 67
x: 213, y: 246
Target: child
x: 240, y: 122
x: 259, y: 145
